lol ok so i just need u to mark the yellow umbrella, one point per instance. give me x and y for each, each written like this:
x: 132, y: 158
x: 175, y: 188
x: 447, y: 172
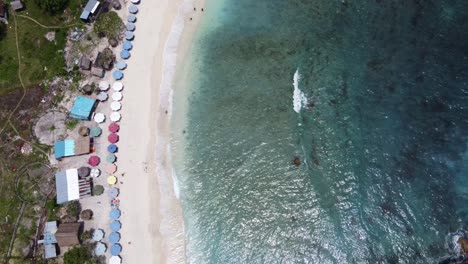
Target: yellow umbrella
x: 111, y: 179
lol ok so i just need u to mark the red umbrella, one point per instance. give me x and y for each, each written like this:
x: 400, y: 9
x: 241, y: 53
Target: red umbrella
x: 114, y: 127
x: 113, y: 138
x: 94, y: 160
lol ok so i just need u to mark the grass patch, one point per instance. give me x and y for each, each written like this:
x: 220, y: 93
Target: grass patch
x: 71, y: 124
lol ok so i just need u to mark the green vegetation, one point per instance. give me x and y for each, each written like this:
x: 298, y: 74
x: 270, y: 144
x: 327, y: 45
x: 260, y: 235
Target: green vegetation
x: 88, y: 234
x: 98, y: 190
x: 72, y: 123
x: 3, y: 31
x: 109, y: 25
x: 74, y: 208
x: 78, y: 255
x: 52, y: 7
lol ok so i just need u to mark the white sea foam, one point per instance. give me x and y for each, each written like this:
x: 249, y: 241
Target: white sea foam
x: 176, y: 184
x: 299, y: 98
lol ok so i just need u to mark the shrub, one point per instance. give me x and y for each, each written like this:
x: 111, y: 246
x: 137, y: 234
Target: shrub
x: 109, y: 25
x: 77, y: 255
x: 52, y: 7
x: 71, y: 124
x: 74, y: 208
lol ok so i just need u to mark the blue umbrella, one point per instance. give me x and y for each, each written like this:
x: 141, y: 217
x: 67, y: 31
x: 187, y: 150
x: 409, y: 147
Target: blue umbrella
x: 112, y: 148
x: 117, y: 75
x: 114, y: 214
x: 114, y: 237
x: 124, y: 54
x: 131, y: 18
x: 121, y: 65
x: 115, y: 226
x: 100, y: 249
x: 127, y: 45
x: 129, y: 35
x: 130, y: 26
x: 115, y: 249
x: 133, y: 9
x: 114, y: 192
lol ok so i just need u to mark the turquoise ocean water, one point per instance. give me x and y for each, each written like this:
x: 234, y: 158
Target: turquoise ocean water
x: 378, y: 118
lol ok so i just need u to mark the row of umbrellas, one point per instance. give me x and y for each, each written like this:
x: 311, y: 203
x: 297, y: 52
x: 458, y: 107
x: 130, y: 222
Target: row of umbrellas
x: 117, y: 86
x: 114, y: 116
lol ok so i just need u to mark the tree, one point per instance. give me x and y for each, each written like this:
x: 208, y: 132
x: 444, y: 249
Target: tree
x: 109, y: 24
x: 52, y: 7
x: 98, y: 190
x: 77, y: 255
x: 3, y: 30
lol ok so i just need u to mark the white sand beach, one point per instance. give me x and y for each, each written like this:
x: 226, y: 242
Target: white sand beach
x: 152, y: 222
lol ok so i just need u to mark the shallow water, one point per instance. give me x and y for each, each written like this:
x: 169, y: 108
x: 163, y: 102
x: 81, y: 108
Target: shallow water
x: 381, y: 133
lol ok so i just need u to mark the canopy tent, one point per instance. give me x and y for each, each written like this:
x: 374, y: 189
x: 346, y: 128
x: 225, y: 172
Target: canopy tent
x: 115, y: 226
x: 112, y: 148
x: 100, y: 249
x: 124, y: 54
x: 70, y: 147
x: 117, y: 86
x: 94, y: 160
x: 131, y: 18
x: 95, y: 172
x: 114, y: 237
x: 129, y: 35
x: 121, y: 65
x: 113, y: 192
x: 67, y: 186
x: 113, y: 138
x: 116, y: 106
x: 118, y: 75
x: 115, y: 249
x: 130, y: 27
x: 117, y: 96
x: 111, y: 168
x: 111, y: 158
x: 82, y: 108
x: 115, y: 260
x: 98, y: 235
x: 114, y: 214
x: 115, y: 116
x: 102, y: 96
x: 99, y: 117
x: 111, y: 180
x: 133, y: 9
x: 114, y: 127
x: 104, y: 86
x: 95, y: 131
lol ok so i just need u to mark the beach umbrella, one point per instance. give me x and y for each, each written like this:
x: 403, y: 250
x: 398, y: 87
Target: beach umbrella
x: 131, y: 18
x: 127, y: 44
x: 111, y: 158
x: 103, y: 86
x: 115, y: 249
x: 129, y: 35
x: 113, y: 138
x: 114, y: 127
x: 124, y: 54
x: 83, y: 172
x: 113, y: 192
x: 114, y: 214
x: 83, y: 131
x: 115, y: 225
x: 111, y: 180
x: 116, y: 106
x: 130, y: 27
x: 111, y: 168
x: 117, y: 75
x: 98, y: 234
x: 95, y: 172
x: 114, y: 237
x: 115, y: 116
x: 102, y: 96
x: 100, y: 249
x: 94, y: 160
x: 121, y: 65
x: 115, y: 260
x: 117, y: 96
x: 95, y: 131
x: 99, y: 117
x: 117, y: 86
x: 112, y: 148
x: 135, y: 1
x: 133, y: 9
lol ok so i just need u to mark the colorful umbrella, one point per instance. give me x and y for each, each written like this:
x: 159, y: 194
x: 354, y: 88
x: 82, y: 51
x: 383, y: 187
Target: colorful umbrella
x: 114, y: 127
x: 135, y: 1
x: 130, y: 27
x: 95, y: 172
x: 115, y: 260
x: 103, y: 86
x: 114, y: 214
x: 115, y: 226
x: 111, y: 168
x: 117, y: 96
x: 115, y: 249
x: 112, y: 148
x: 95, y: 131
x: 129, y: 35
x: 114, y: 237
x: 117, y: 86
x: 121, y: 65
x: 124, y: 54
x: 115, y: 116
x: 117, y: 75
x: 116, y: 106
x: 100, y: 249
x: 99, y: 117
x: 111, y: 158
x: 102, y: 96
x: 98, y: 234
x: 83, y: 172
x: 111, y: 180
x: 133, y: 9
x: 131, y: 18
x: 113, y: 138
x: 127, y: 44
x: 94, y: 160
x: 113, y: 192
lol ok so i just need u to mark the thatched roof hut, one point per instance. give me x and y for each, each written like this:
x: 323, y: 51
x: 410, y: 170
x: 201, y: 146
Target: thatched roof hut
x: 68, y: 234
x: 83, y: 131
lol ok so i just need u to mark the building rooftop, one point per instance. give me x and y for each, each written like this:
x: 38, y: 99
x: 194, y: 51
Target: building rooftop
x: 16, y: 5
